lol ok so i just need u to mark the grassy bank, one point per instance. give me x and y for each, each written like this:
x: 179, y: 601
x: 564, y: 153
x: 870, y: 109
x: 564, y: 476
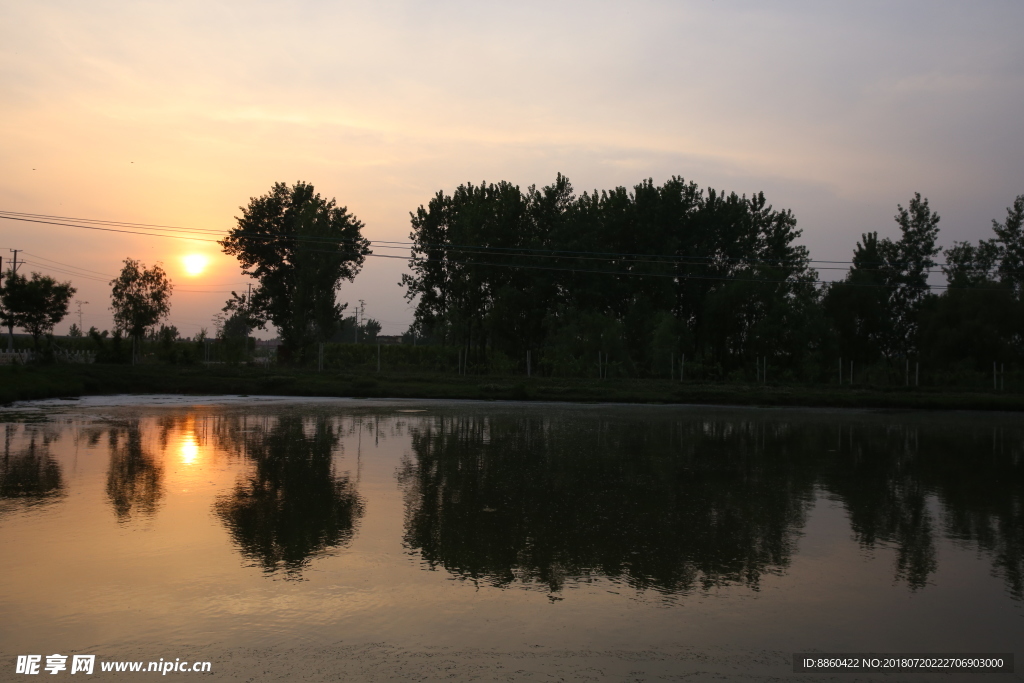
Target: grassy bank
x: 52, y: 381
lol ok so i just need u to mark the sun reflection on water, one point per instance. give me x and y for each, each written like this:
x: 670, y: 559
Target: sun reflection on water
x: 188, y: 449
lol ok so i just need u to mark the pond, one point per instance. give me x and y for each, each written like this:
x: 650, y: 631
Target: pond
x: 306, y: 539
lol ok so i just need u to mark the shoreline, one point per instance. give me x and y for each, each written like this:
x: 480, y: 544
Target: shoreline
x: 19, y: 383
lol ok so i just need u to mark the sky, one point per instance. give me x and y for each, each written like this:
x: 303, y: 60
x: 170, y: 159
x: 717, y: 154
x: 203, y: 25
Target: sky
x: 178, y: 113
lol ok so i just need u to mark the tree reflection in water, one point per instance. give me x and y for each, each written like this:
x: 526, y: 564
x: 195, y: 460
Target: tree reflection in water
x: 985, y: 504
x: 293, y: 505
x: 906, y: 485
x: 134, y: 478
x: 674, y: 505
x: 670, y: 508
x: 31, y: 474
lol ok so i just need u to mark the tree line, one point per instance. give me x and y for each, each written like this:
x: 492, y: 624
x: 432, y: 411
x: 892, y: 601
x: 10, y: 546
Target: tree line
x: 641, y: 279
x: 140, y: 298
x: 650, y: 281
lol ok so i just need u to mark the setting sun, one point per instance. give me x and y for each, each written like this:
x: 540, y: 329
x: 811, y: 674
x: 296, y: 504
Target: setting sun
x: 195, y: 264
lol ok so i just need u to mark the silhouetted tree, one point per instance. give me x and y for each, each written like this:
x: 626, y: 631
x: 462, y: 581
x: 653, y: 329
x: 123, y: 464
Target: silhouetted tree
x: 35, y: 304
x: 980, y: 317
x: 907, y: 263
x: 858, y: 306
x: 1010, y: 238
x: 299, y: 246
x: 498, y: 269
x: 140, y: 298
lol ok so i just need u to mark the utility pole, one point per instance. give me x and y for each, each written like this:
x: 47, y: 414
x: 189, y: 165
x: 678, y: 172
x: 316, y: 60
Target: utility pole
x: 78, y: 303
x: 248, y: 319
x: 10, y: 324
x: 1, y: 288
x: 360, y: 314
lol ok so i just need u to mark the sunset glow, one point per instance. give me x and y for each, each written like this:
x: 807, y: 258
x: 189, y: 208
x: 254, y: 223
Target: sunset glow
x: 417, y: 101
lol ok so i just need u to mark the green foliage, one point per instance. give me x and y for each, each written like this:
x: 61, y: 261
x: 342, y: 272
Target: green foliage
x: 140, y: 297
x: 858, y: 306
x: 299, y: 246
x: 498, y: 269
x: 907, y: 263
x: 978, y: 320
x: 168, y: 348
x: 968, y: 265
x: 242, y: 317
x: 645, y: 275
x: 1010, y: 238
x: 971, y: 325
x: 357, y: 329
x: 109, y: 349
x: 35, y: 304
x: 875, y: 309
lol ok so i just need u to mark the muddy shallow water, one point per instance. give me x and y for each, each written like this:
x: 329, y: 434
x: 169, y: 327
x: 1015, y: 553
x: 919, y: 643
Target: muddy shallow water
x: 311, y: 539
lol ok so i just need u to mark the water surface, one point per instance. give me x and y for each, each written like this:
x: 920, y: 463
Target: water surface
x: 414, y: 539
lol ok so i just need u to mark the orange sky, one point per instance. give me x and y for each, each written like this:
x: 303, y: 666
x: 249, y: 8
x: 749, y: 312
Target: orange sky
x: 177, y: 113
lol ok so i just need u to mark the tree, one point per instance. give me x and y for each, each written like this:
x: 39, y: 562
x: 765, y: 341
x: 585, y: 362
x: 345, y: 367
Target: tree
x: 35, y: 304
x: 242, y: 317
x: 499, y: 269
x: 9, y: 304
x: 858, y: 306
x: 875, y: 310
x: 908, y: 262
x: 140, y: 297
x: 1010, y: 236
x: 977, y: 320
x: 299, y: 246
x: 968, y: 265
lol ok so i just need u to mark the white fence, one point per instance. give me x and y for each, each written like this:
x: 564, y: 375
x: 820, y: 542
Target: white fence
x: 76, y: 356
x: 12, y: 357
x: 25, y: 357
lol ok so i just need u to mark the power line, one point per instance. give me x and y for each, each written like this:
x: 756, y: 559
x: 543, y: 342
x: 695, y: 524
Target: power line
x: 68, y: 265
x: 94, y: 227
x: 555, y: 253
x: 676, y: 276
x: 685, y: 276
x: 107, y: 275
x: 391, y: 244
x: 66, y: 272
x: 107, y: 222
